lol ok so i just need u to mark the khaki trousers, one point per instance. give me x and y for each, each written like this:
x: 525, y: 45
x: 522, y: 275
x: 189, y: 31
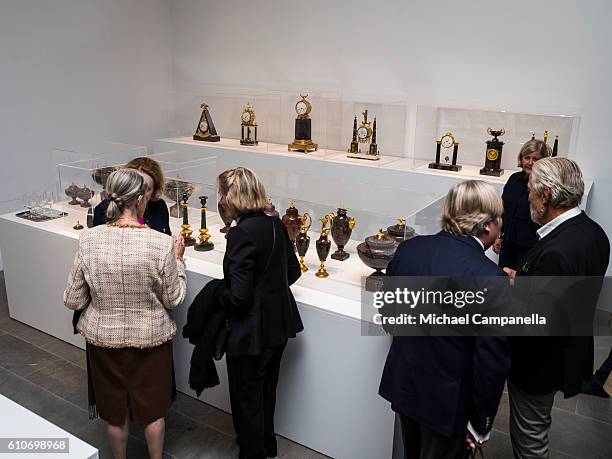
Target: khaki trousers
x: 530, y: 422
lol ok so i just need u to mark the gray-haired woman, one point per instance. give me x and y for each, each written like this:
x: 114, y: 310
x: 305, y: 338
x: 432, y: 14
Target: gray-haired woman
x: 127, y: 277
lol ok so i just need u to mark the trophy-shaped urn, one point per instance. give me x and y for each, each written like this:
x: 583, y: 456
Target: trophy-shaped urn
x: 72, y: 192
x: 341, y: 233
x: 270, y: 210
x: 376, y: 252
x: 291, y: 219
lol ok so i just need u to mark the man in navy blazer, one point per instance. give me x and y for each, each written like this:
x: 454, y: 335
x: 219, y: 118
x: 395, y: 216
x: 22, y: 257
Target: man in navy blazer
x: 447, y: 389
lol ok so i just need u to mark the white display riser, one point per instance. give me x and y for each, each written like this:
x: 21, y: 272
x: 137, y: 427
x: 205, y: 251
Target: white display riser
x: 19, y: 422
x: 328, y: 392
x: 333, y: 165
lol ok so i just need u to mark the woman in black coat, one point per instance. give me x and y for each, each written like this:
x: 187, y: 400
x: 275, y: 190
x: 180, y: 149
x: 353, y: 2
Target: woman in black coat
x: 259, y: 266
x: 519, y: 231
x: 156, y: 214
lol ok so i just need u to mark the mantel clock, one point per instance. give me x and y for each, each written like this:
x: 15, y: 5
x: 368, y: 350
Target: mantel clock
x: 205, y: 130
x: 303, y: 127
x: 447, y: 141
x: 248, y: 126
x: 493, y: 155
x: 364, y: 135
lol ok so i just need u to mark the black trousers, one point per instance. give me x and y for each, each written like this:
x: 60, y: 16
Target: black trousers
x: 252, y: 386
x: 511, y: 255
x: 420, y: 442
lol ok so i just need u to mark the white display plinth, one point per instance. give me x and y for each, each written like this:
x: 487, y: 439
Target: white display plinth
x: 20, y: 423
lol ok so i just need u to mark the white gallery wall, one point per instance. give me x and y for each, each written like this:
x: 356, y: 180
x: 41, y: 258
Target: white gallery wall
x: 75, y: 74
x: 548, y: 57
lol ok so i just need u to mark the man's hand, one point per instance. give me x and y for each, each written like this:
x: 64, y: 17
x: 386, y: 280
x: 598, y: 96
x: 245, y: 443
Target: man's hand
x: 497, y: 245
x: 470, y: 441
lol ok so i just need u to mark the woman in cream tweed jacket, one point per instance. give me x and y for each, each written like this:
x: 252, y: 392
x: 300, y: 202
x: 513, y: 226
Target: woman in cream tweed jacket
x: 127, y: 278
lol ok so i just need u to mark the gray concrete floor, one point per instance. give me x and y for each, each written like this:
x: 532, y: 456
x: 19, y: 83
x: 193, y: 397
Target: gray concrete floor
x: 48, y: 376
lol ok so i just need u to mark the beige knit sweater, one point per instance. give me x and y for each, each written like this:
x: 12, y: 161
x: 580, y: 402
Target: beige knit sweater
x: 127, y: 279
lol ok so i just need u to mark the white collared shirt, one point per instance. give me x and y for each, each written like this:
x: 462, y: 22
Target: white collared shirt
x: 480, y: 242
x: 546, y: 229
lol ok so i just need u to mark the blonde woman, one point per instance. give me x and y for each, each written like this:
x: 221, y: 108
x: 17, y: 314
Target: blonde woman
x: 259, y: 266
x: 126, y: 279
x: 156, y: 214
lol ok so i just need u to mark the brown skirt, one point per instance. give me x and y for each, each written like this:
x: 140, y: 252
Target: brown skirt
x: 131, y: 381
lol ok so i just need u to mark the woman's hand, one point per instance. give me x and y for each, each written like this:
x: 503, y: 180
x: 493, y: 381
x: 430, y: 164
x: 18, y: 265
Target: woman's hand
x: 497, y: 245
x: 179, y: 246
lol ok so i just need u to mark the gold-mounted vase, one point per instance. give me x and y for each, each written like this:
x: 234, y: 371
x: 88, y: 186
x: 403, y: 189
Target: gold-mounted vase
x: 323, y: 245
x: 302, y: 241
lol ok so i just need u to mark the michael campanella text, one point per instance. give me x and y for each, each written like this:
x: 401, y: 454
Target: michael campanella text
x: 466, y: 319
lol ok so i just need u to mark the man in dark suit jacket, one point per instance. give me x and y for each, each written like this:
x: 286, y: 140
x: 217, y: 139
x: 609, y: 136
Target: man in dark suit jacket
x: 444, y: 387
x: 571, y: 244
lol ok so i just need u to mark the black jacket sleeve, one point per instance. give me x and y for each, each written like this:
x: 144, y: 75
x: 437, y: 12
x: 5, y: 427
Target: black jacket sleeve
x: 240, y: 257
x: 162, y: 217
x: 491, y: 363
x: 99, y: 216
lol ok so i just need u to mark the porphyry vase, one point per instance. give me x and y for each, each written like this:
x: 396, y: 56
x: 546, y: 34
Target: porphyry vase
x: 291, y: 219
x: 341, y: 233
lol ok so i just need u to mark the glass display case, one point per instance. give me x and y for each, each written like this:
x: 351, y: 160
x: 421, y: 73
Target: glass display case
x: 468, y: 128
x: 226, y: 107
x: 356, y: 210
x: 112, y: 152
x: 188, y: 177
x: 284, y: 119
x: 371, y: 206
x: 81, y: 187
x: 368, y: 129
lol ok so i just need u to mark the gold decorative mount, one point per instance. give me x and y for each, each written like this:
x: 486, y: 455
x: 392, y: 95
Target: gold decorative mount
x: 304, y: 146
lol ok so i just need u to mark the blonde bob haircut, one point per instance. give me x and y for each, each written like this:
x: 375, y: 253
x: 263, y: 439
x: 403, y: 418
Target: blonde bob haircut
x: 152, y: 169
x: 532, y: 146
x: 469, y: 206
x: 241, y: 191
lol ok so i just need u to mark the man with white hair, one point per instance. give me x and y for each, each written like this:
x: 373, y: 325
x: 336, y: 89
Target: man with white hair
x: 570, y: 244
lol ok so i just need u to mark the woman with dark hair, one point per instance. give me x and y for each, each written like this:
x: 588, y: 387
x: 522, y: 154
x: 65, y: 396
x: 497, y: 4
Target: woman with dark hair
x: 519, y: 231
x: 156, y: 214
x: 126, y: 278
x: 259, y: 266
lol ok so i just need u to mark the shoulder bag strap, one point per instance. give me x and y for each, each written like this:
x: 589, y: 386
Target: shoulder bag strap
x: 271, y: 252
